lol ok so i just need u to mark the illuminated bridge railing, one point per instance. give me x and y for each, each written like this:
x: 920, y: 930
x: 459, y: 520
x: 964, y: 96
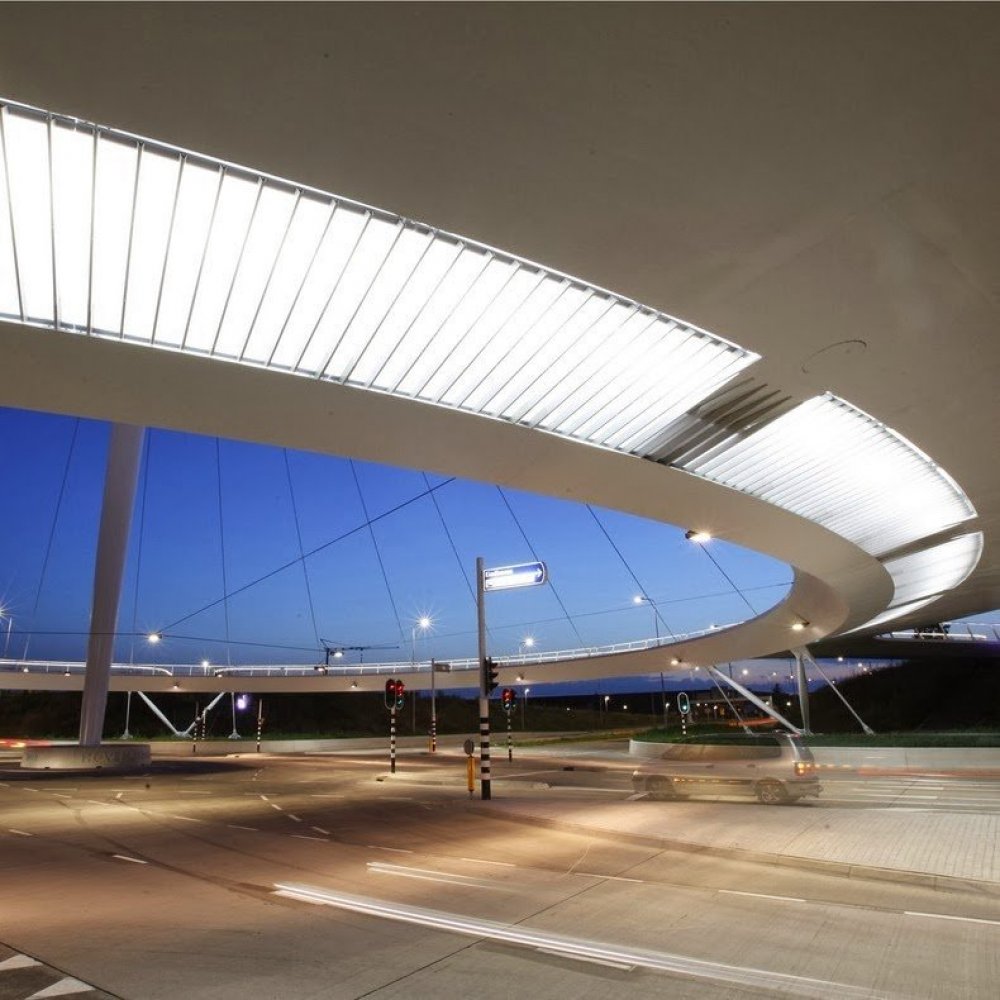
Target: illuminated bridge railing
x: 456, y: 666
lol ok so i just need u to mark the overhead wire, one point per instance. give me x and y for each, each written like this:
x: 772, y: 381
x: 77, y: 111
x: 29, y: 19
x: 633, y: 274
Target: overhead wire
x: 534, y: 554
x: 222, y: 546
x: 302, y: 555
x: 319, y: 548
x: 52, y: 530
x: 631, y: 572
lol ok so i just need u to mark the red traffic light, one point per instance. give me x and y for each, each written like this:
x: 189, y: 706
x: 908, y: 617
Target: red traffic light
x: 390, y: 690
x: 400, y: 691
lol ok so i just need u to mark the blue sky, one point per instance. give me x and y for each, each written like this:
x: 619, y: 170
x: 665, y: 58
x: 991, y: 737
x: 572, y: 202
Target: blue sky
x: 181, y: 565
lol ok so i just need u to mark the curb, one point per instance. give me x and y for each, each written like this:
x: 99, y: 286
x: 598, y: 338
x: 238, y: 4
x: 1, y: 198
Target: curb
x: 842, y: 868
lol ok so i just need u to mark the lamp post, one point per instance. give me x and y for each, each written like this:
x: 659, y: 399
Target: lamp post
x: 424, y: 623
x: 524, y: 702
x: 643, y: 599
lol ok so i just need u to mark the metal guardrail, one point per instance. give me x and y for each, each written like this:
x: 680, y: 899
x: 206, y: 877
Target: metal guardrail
x: 70, y: 667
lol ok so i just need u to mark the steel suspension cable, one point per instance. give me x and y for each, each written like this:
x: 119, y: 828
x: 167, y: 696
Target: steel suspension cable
x: 378, y: 554
x: 302, y: 555
x: 527, y: 541
x: 52, y: 530
x: 729, y: 579
x: 142, y: 529
x: 631, y: 573
x: 311, y: 552
x: 222, y: 547
x: 451, y: 541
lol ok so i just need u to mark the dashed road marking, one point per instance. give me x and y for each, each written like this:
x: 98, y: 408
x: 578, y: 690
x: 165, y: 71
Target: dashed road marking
x: 481, y: 861
x: 949, y: 916
x: 20, y: 833
x: 395, y: 850
x: 125, y: 857
x: 320, y: 829
x: 762, y: 895
x: 236, y: 826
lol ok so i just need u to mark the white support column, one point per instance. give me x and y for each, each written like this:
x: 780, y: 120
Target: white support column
x: 751, y: 697
x: 802, y: 682
x: 149, y: 701
x: 806, y: 655
x: 120, y: 479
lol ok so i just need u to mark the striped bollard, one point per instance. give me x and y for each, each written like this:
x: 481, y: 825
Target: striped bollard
x: 392, y: 739
x: 510, y: 749
x: 484, y: 748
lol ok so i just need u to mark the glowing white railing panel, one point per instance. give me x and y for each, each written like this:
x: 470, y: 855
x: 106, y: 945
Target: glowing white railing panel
x: 829, y: 462
x: 113, y: 235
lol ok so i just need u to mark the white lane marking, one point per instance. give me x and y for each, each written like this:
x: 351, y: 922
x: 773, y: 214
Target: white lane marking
x: 518, y: 934
x: 431, y: 875
x: 762, y: 895
x: 395, y: 850
x: 118, y: 797
x: 320, y: 829
x: 265, y: 798
x: 305, y: 836
x: 62, y: 988
x: 584, y: 958
x: 948, y: 916
x: 62, y: 795
x: 274, y: 805
x: 125, y: 857
x: 187, y: 819
x: 612, y: 878
x: 297, y: 819
x: 236, y: 826
x: 97, y: 802
x: 18, y: 962
x: 20, y: 833
x: 395, y: 798
x: 480, y: 861
x: 326, y: 795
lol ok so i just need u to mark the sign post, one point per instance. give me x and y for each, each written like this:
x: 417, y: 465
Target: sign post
x: 499, y: 578
x: 484, y: 704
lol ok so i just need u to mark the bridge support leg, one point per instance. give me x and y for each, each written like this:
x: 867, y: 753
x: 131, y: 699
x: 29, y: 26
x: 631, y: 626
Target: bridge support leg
x: 806, y: 655
x: 120, y: 479
x: 802, y: 682
x: 720, y: 678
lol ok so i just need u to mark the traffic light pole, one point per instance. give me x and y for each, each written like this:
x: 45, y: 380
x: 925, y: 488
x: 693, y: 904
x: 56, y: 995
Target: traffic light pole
x: 484, y: 703
x: 392, y: 738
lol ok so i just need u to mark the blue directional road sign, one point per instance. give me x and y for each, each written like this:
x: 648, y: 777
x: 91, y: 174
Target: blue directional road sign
x: 508, y: 577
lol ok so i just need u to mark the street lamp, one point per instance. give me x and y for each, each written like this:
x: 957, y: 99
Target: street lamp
x: 524, y: 701
x: 643, y: 599
x: 424, y: 623
x: 528, y: 642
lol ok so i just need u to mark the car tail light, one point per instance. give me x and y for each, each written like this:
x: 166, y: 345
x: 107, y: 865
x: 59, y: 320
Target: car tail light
x: 804, y: 767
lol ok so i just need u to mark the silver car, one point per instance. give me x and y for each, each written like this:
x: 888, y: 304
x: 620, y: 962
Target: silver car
x: 777, y: 768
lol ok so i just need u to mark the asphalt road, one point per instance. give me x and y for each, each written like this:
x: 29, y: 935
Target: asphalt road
x: 306, y: 877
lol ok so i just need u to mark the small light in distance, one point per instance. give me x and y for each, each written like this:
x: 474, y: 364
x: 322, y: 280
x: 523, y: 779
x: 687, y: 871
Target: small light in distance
x: 153, y: 638
x: 699, y: 537
x: 338, y: 654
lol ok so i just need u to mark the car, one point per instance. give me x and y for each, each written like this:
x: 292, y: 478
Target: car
x: 776, y: 768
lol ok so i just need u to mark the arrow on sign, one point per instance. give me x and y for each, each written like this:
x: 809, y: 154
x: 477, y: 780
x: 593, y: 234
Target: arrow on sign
x: 508, y: 577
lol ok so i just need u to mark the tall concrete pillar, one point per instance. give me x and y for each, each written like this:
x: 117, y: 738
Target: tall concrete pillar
x: 120, y: 480
x: 803, y: 686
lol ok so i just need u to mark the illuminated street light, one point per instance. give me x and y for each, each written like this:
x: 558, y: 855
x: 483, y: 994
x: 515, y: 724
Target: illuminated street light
x: 424, y: 623
x: 799, y: 625
x: 338, y: 654
x: 699, y: 537
x: 153, y: 638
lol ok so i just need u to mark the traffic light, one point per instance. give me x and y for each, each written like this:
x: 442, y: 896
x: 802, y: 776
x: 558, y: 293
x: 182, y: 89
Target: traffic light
x: 400, y: 691
x: 509, y: 698
x: 390, y: 693
x: 492, y: 676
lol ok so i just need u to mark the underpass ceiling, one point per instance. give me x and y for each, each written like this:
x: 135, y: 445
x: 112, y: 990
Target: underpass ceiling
x: 814, y: 182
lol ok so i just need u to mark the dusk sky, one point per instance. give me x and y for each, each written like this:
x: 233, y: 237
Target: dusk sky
x: 174, y: 580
